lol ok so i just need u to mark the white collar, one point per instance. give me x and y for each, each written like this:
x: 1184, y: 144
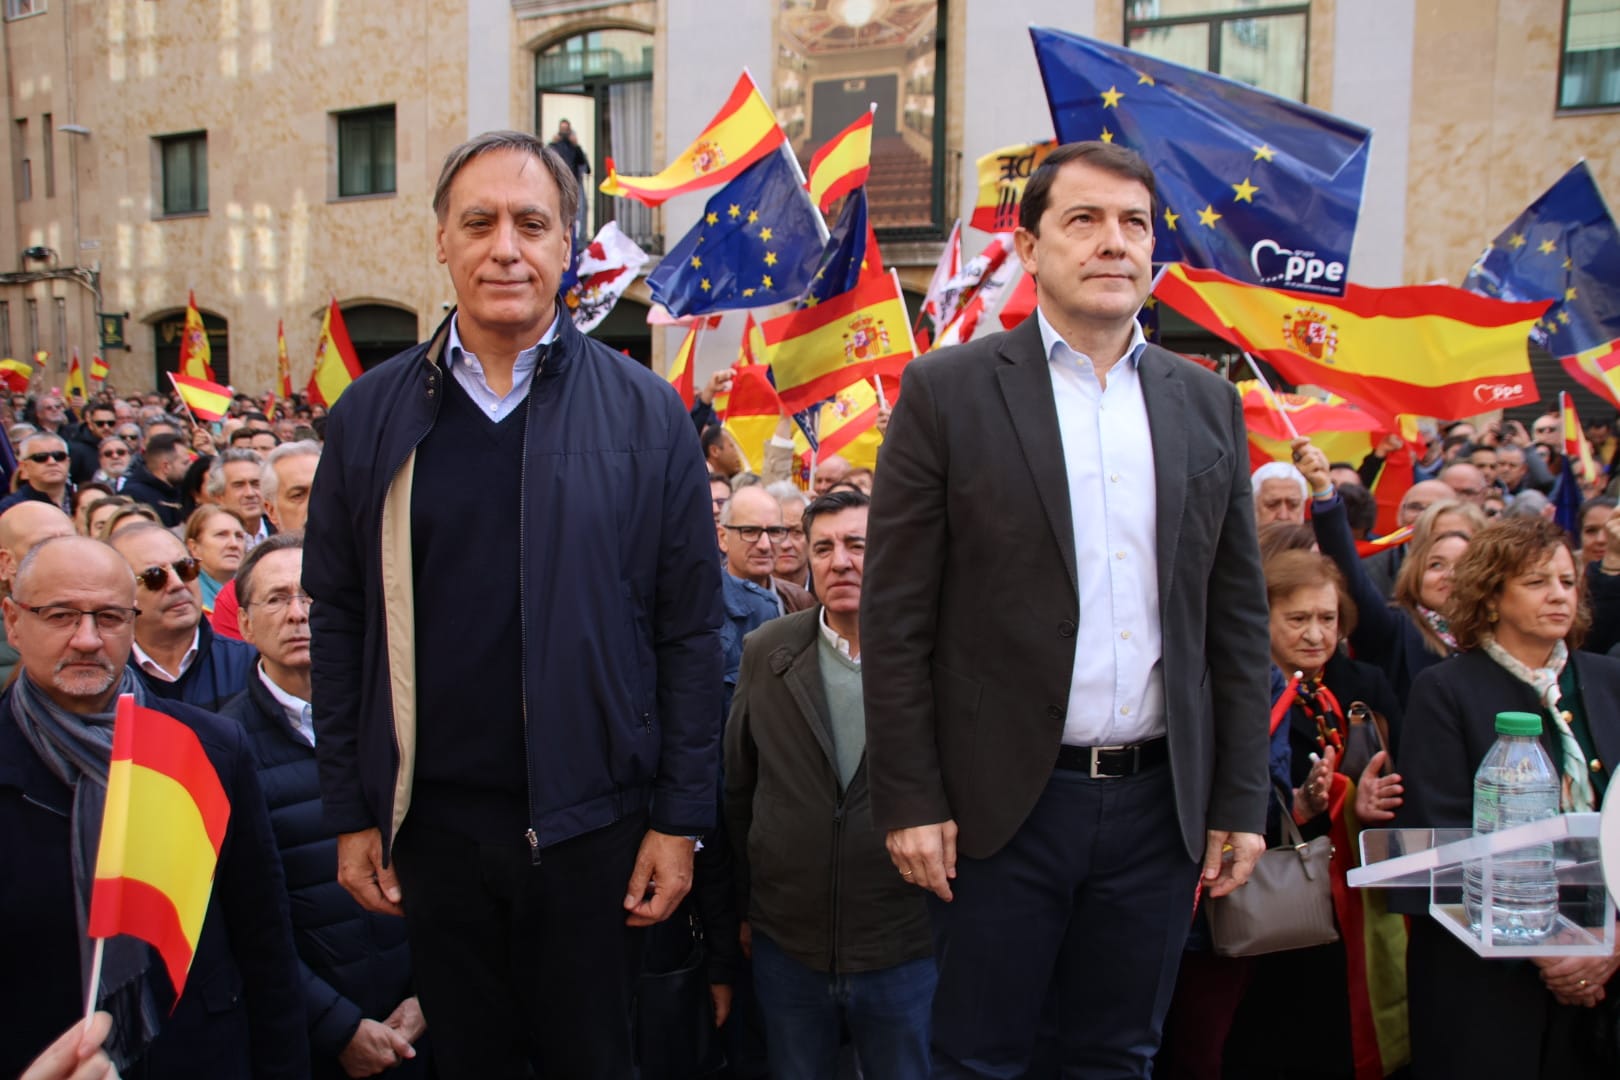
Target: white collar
x: 291, y: 704
x: 144, y: 660
x: 457, y: 352
x: 836, y: 640
x: 1050, y: 339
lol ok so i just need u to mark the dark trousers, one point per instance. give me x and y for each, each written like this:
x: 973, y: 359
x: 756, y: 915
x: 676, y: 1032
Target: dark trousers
x: 518, y: 966
x: 805, y: 1011
x: 1069, y: 936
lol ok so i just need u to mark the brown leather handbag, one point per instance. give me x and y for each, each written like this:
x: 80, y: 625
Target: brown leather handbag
x: 1287, y: 903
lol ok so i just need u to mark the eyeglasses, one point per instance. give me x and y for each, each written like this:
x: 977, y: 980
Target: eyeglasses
x: 104, y: 423
x: 131, y: 437
x: 115, y: 451
x: 48, y: 455
x: 155, y: 578
x: 277, y: 603
x: 61, y: 618
x: 751, y: 533
x: 1545, y: 429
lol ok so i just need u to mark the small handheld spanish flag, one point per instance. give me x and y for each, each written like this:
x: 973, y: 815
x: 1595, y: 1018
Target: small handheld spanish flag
x: 161, y: 832
x: 206, y: 400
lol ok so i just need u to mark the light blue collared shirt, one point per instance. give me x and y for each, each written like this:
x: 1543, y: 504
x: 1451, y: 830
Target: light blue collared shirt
x: 1116, y: 694
x: 470, y: 373
x: 297, y: 710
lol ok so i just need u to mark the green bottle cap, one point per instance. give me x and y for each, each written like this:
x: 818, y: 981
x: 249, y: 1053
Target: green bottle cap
x: 1518, y: 723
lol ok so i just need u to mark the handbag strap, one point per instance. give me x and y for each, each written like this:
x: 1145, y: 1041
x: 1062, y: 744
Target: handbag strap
x: 1292, y: 837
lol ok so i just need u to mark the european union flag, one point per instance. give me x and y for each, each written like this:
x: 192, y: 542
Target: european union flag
x: 1260, y: 188
x: 844, y: 258
x: 757, y: 244
x: 1564, y: 247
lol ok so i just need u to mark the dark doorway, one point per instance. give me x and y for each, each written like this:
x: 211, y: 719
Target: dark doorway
x: 379, y: 331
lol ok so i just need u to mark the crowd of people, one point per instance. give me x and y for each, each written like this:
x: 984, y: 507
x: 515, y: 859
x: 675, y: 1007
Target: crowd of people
x: 550, y: 747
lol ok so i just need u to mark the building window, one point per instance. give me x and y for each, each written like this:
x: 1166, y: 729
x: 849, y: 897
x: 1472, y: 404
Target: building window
x: 1262, y: 44
x: 24, y: 179
x: 16, y: 9
x: 33, y: 328
x: 47, y: 134
x: 365, y: 152
x: 5, y: 329
x: 601, y: 83
x: 60, y: 305
x: 833, y: 61
x: 184, y: 166
x: 1589, y: 73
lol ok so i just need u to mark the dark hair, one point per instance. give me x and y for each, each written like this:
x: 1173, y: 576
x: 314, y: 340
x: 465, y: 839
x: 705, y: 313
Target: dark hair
x: 1361, y: 508
x: 1595, y: 503
x: 255, y: 415
x: 520, y: 142
x: 1504, y: 550
x: 1120, y: 161
x: 244, y: 573
x: 833, y: 502
x: 164, y: 442
x: 87, y: 487
x: 719, y: 478
x: 242, y: 434
x: 711, y: 435
x: 1277, y: 537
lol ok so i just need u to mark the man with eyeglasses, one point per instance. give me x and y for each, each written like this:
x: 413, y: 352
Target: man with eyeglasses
x: 749, y: 532
x: 71, y: 615
x: 114, y: 456
x: 286, y: 479
x: 176, y: 653
x: 362, y: 1013
x: 42, y: 473
x: 21, y: 527
x: 792, y: 562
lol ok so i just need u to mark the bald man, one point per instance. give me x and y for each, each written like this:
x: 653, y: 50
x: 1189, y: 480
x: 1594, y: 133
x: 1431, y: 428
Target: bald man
x: 71, y: 616
x: 829, y: 472
x: 21, y: 527
x: 1382, y: 566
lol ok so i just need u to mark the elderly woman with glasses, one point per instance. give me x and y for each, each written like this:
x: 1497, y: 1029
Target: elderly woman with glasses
x: 1518, y: 617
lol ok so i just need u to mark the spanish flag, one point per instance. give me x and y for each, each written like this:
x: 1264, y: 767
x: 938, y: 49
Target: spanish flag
x: 848, y: 427
x: 161, y: 831
x: 16, y: 375
x: 1264, y: 412
x: 752, y: 410
x: 196, y: 357
x: 283, y: 367
x: 742, y: 132
x: 843, y: 164
x: 817, y: 351
x: 680, y: 369
x: 1430, y: 350
x: 1576, y: 446
x: 75, y: 379
x: 206, y: 400
x: 336, y: 364
x: 98, y: 369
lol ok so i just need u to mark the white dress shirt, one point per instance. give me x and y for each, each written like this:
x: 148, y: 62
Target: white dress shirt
x: 299, y: 714
x: 1116, y: 695
x: 470, y: 373
x: 157, y: 670
x: 838, y: 641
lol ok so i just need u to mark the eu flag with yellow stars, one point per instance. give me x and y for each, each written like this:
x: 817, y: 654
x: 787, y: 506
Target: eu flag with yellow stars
x: 1261, y: 188
x: 1564, y: 247
x: 757, y: 244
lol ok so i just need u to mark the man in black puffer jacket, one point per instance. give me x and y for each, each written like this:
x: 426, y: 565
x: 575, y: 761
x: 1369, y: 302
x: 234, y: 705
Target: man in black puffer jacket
x: 356, y: 967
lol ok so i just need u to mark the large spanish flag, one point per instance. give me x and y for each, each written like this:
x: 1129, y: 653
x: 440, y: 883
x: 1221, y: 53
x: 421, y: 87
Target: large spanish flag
x: 206, y: 400
x: 815, y: 352
x: 161, y: 832
x: 843, y: 164
x: 1430, y: 350
x: 752, y: 410
x: 196, y: 356
x: 336, y: 364
x: 742, y: 132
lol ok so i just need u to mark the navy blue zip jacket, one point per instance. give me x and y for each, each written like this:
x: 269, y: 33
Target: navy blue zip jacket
x: 220, y: 671
x: 619, y: 596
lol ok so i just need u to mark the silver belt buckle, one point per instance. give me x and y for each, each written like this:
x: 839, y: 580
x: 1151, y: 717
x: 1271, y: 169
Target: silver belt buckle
x: 1095, y: 750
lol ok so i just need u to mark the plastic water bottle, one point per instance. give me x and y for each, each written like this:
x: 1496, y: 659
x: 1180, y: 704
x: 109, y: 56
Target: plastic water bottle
x: 1516, y: 784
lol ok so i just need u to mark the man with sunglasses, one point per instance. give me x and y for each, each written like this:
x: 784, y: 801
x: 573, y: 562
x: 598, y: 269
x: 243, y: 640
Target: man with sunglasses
x: 71, y: 616
x: 42, y: 473
x: 51, y: 414
x: 84, y: 440
x: 176, y: 653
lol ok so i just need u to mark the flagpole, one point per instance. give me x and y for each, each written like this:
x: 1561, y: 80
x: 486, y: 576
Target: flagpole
x: 95, y: 980
x: 811, y: 481
x: 1271, y: 396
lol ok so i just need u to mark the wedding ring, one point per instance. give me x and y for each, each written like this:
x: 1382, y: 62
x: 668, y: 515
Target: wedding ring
x: 905, y: 873
x: 1581, y: 984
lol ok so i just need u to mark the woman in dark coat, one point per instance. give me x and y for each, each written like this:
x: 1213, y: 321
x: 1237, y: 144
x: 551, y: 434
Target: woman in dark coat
x: 1517, y: 617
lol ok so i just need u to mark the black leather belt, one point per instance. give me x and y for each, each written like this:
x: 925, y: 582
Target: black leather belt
x: 1114, y: 761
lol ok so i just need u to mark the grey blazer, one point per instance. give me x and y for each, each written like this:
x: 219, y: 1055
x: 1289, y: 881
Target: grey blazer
x: 970, y: 603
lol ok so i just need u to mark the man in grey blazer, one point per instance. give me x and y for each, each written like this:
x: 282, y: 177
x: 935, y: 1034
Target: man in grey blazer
x: 1066, y: 648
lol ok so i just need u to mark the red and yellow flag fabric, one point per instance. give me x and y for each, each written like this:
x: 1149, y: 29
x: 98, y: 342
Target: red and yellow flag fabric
x: 752, y: 410
x: 817, y: 351
x: 680, y: 369
x: 283, y: 366
x: 196, y: 357
x: 843, y: 164
x: 1597, y: 369
x: 16, y: 374
x: 1577, y: 448
x: 161, y: 831
x: 742, y: 132
x: 1002, y: 176
x: 206, y: 400
x: 336, y: 364
x: 1430, y: 350
x: 848, y: 428
x: 1310, y: 416
x: 98, y: 369
x: 75, y: 379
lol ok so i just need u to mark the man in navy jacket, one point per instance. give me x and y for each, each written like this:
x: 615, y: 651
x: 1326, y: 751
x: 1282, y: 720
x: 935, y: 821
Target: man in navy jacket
x: 516, y: 641
x: 240, y: 1015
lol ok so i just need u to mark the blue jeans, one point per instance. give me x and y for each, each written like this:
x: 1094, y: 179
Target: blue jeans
x: 887, y: 1013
